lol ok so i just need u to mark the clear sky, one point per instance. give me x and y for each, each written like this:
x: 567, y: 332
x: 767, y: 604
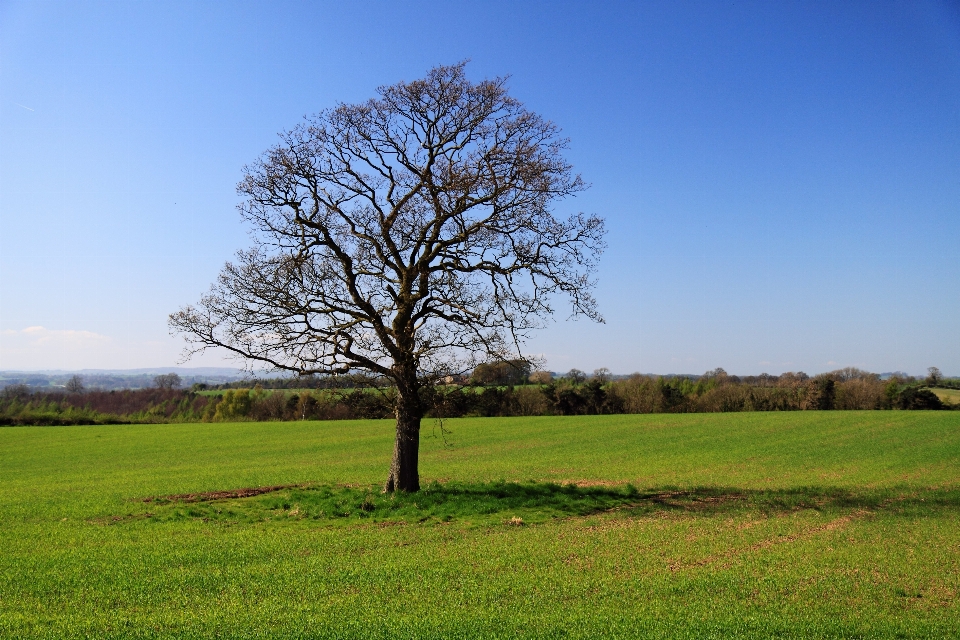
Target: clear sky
x: 781, y: 180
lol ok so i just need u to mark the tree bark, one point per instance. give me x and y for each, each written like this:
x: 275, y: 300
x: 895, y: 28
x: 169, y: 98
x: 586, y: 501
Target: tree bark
x: 404, y: 471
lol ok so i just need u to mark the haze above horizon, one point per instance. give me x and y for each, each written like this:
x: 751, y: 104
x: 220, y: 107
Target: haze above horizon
x: 780, y: 180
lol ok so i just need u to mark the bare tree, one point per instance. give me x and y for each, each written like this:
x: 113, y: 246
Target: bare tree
x: 75, y: 384
x: 719, y: 373
x: 167, y: 381
x: 410, y: 236
x: 503, y: 372
x: 17, y: 391
x: 541, y: 377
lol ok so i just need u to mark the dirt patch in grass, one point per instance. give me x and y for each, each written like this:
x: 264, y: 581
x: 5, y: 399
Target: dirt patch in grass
x: 207, y: 496
x: 594, y: 483
x: 696, y: 499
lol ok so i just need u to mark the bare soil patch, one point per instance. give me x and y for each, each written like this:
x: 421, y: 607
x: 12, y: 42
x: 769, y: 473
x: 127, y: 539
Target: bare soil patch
x: 206, y: 496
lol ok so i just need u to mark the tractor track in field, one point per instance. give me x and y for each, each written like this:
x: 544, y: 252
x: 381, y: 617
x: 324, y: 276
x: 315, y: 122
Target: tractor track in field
x: 835, y: 524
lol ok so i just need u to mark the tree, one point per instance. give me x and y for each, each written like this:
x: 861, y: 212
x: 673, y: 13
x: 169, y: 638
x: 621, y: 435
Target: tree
x: 505, y: 372
x: 914, y: 398
x: 75, y: 384
x: 934, y: 376
x: 541, y: 377
x: 576, y: 376
x: 18, y: 391
x: 718, y: 373
x: 410, y: 236
x: 167, y: 381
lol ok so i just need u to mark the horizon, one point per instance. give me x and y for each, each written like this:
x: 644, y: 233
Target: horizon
x: 147, y: 371
x: 780, y: 182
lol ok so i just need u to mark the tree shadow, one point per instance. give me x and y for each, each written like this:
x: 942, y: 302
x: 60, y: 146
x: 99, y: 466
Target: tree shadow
x: 531, y: 502
x: 578, y: 500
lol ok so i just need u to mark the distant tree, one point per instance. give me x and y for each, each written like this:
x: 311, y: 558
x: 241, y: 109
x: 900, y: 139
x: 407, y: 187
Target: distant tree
x: 865, y: 392
x: 75, y: 384
x: 167, y: 381
x: 934, y: 377
x: 594, y: 395
x: 576, y: 376
x: 484, y: 373
x: 507, y: 372
x: 17, y: 391
x: 570, y: 398
x: 234, y: 404
x: 913, y: 398
x: 719, y: 372
x: 900, y: 376
x: 851, y: 373
x: 602, y: 375
x: 541, y: 377
x: 823, y: 392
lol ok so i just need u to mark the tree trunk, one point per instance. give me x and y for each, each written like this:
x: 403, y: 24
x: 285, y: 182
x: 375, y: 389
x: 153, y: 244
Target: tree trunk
x: 404, y: 472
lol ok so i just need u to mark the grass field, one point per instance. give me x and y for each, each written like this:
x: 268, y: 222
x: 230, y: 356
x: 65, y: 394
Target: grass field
x: 948, y: 395
x: 752, y: 525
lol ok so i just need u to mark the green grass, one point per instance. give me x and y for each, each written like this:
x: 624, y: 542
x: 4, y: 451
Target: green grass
x: 951, y: 396
x: 834, y: 524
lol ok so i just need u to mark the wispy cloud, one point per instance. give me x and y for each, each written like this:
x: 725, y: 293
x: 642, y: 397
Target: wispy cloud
x: 25, y: 107
x: 38, y: 347
x: 41, y: 336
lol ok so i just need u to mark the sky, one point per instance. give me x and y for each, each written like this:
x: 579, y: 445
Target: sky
x: 780, y: 181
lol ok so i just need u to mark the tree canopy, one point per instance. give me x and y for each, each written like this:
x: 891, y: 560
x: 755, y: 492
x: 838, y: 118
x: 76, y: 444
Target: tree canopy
x: 410, y: 236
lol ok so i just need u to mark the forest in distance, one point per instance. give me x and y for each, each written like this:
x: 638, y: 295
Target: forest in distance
x: 493, y: 390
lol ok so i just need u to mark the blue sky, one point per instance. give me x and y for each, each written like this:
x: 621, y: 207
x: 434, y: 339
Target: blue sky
x: 781, y: 181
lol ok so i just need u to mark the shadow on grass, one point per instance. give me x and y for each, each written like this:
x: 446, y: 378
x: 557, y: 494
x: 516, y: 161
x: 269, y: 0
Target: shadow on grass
x: 532, y: 502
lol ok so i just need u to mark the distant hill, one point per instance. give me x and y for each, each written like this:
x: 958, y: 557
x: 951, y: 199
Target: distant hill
x: 189, y: 371
x: 110, y: 379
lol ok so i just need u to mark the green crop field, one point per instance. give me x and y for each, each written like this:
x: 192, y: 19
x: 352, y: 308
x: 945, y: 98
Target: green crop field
x: 948, y: 395
x: 751, y: 525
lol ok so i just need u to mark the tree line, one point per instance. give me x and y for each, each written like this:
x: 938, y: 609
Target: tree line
x: 20, y: 406
x: 501, y: 390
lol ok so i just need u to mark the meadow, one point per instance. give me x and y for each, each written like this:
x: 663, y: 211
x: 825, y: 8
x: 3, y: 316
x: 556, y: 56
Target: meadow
x: 951, y: 396
x: 752, y: 525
